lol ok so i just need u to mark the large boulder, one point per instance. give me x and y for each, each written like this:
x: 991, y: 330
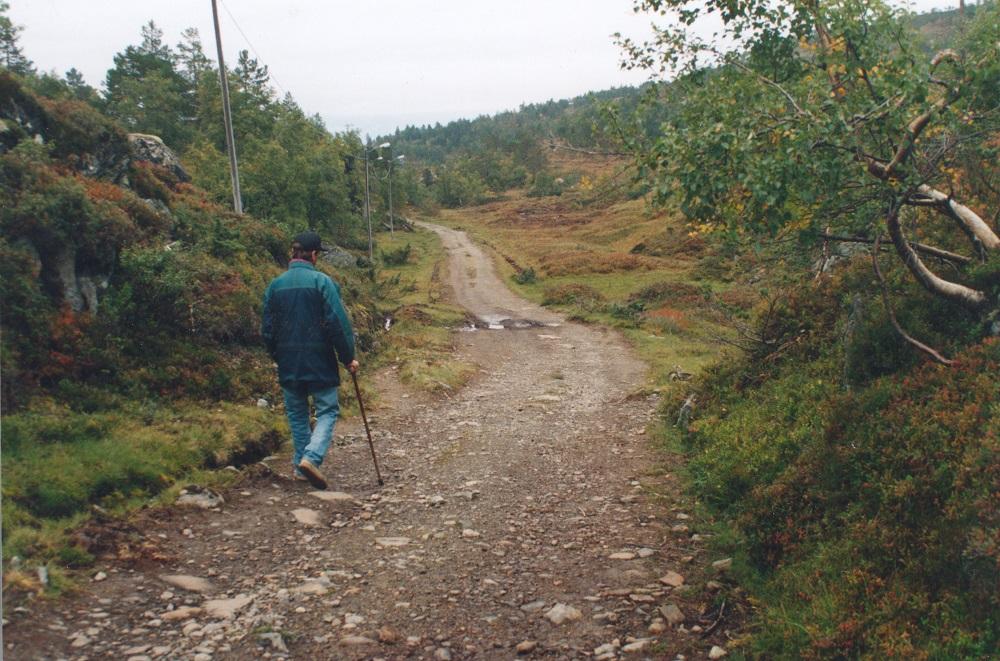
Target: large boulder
x: 150, y: 148
x: 339, y: 258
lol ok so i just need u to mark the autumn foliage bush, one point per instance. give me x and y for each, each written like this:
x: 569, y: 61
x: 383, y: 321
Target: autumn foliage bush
x: 866, y: 500
x: 178, y: 277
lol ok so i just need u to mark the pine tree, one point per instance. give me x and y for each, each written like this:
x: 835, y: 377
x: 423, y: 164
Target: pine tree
x: 11, y: 56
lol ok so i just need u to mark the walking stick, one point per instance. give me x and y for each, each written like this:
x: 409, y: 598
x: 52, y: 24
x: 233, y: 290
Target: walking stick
x: 361, y: 405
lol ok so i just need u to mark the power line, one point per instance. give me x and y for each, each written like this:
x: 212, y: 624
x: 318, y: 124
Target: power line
x: 250, y: 44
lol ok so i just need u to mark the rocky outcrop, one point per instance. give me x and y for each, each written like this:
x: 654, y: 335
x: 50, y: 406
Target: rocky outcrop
x: 20, y: 115
x: 339, y: 258
x: 79, y: 290
x: 144, y: 147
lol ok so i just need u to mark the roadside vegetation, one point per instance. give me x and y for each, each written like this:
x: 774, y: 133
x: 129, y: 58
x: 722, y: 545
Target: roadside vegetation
x: 852, y: 444
x: 420, y: 344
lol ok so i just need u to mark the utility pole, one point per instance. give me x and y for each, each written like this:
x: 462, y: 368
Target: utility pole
x: 368, y: 205
x: 392, y: 231
x: 227, y: 117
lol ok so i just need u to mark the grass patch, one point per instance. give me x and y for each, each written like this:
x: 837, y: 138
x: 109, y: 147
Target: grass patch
x: 58, y: 463
x: 420, y: 345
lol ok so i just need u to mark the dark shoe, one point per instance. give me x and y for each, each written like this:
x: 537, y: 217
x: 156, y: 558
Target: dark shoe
x: 312, y: 474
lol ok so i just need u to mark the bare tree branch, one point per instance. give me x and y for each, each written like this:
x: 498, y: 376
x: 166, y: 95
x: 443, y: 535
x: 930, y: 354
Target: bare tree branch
x: 975, y: 227
x: 952, y: 291
x: 930, y: 351
x: 919, y: 247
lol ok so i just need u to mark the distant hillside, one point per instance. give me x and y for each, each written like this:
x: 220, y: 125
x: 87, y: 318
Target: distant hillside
x: 579, y: 121
x: 939, y: 28
x: 469, y: 160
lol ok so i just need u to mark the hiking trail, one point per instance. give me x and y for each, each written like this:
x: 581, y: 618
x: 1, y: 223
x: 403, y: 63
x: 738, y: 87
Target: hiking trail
x: 525, y: 514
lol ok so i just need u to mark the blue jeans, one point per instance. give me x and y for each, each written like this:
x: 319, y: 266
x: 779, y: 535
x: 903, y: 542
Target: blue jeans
x: 310, y: 444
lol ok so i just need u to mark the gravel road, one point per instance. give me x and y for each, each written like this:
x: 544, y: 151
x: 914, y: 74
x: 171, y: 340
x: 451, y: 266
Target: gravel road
x: 526, y: 514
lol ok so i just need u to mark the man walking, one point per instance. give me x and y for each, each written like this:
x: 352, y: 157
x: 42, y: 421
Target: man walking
x: 306, y: 330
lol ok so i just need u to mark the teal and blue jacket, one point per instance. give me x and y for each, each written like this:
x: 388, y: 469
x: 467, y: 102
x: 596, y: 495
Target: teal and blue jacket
x: 305, y: 326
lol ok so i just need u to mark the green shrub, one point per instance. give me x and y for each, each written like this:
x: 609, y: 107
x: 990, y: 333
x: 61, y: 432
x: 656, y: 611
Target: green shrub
x: 398, y: 256
x: 630, y: 311
x: 582, y: 295
x: 525, y: 276
x: 546, y: 184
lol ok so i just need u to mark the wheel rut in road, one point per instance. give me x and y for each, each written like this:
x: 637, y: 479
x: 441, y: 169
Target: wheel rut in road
x: 526, y: 513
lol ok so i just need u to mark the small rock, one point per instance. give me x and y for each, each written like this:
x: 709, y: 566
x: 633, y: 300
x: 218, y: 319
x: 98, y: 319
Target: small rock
x: 606, y: 648
x: 622, y: 555
x: 435, y: 501
x: 533, y: 606
x: 392, y: 541
x: 469, y: 533
x: 672, y: 579
x: 526, y: 646
x: 657, y: 626
x: 722, y: 565
x: 645, y: 552
x: 263, y: 403
x: 353, y: 619
x: 225, y: 609
x: 182, y: 613
x: 442, y: 654
x: 332, y: 496
x: 717, y: 652
x: 672, y: 614
x: 195, y: 496
x: 189, y: 583
x: 562, y: 613
x: 637, y: 645
x: 100, y: 576
x: 306, y: 516
x: 277, y: 642
x: 356, y: 640
x: 80, y: 641
x: 388, y: 635
x: 138, y: 649
x: 313, y: 587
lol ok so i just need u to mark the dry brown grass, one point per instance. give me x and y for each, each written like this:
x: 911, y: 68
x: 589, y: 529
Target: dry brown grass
x: 677, y: 294
x: 572, y: 293
x: 580, y: 262
x: 670, y: 317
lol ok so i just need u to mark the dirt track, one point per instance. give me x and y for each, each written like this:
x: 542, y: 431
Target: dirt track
x: 535, y: 485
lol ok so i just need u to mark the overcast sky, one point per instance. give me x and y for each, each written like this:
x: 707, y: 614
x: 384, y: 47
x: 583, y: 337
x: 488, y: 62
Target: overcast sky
x: 371, y: 65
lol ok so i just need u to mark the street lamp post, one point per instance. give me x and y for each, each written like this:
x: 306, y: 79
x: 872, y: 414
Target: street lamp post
x: 392, y: 163
x: 368, y: 196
